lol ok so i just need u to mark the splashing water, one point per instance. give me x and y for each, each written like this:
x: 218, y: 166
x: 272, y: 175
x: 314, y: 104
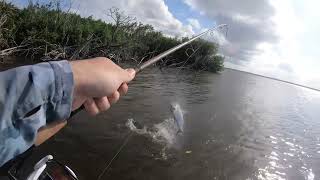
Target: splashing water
x: 163, y: 133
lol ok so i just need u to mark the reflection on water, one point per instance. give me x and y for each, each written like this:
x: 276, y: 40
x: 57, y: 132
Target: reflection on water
x: 287, y: 156
x: 238, y: 126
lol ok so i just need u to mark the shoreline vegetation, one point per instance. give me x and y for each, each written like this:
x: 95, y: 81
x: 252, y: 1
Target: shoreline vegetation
x: 42, y: 32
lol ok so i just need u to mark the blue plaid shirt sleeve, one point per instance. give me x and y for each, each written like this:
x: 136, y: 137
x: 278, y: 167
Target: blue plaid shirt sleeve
x: 31, y: 97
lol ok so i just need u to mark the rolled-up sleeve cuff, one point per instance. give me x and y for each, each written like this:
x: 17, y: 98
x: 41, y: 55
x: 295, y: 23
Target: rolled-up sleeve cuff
x: 64, y: 89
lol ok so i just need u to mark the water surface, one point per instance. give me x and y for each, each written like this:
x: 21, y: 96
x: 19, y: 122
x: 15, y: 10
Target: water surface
x: 237, y: 126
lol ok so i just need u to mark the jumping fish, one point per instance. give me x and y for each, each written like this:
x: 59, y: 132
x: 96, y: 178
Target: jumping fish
x: 178, y: 116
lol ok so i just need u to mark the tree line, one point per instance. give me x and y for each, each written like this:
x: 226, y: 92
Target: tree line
x: 46, y: 32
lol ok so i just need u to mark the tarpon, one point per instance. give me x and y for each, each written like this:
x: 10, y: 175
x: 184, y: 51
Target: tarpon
x: 178, y: 116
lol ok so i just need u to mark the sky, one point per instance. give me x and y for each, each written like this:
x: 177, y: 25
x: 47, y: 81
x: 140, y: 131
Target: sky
x: 268, y: 37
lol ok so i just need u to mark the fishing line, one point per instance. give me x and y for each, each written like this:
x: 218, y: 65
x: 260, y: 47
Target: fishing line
x: 125, y: 142
x: 106, y: 169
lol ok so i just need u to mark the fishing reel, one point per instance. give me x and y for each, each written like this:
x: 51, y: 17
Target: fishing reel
x: 46, y: 169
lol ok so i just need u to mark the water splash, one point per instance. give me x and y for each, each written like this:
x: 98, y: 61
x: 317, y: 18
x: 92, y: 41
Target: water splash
x: 164, y: 133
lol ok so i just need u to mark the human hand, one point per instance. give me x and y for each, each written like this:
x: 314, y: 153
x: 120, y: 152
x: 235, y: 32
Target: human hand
x: 98, y: 83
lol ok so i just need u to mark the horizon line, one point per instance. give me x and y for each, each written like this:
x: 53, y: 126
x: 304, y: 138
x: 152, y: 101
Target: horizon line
x: 277, y: 79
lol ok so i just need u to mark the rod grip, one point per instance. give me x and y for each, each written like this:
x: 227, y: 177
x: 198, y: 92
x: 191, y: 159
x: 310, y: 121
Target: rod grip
x: 73, y: 113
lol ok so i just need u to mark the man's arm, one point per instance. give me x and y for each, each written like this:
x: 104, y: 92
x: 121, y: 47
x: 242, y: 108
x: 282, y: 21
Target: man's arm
x: 81, y: 71
x: 32, y: 97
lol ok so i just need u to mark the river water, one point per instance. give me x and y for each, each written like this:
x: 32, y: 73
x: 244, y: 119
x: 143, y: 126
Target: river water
x: 237, y: 126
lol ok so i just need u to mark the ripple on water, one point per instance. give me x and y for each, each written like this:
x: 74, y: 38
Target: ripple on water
x: 273, y: 158
x: 288, y: 154
x: 274, y: 153
x: 310, y: 175
x: 272, y: 137
x: 265, y: 174
x: 289, y: 144
x: 285, y: 151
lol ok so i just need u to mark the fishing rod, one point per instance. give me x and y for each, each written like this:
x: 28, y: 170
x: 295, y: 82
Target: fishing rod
x: 164, y: 54
x: 174, y: 49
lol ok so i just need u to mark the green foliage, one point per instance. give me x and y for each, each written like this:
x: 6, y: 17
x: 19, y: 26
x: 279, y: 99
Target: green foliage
x: 8, y: 14
x: 46, y: 32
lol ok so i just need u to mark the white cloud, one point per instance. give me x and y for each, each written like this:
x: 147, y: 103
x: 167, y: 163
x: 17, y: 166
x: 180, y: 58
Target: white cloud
x: 249, y: 24
x: 276, y: 38
x: 194, y: 23
x: 153, y: 12
x: 290, y: 50
x: 258, y: 9
x: 245, y: 19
